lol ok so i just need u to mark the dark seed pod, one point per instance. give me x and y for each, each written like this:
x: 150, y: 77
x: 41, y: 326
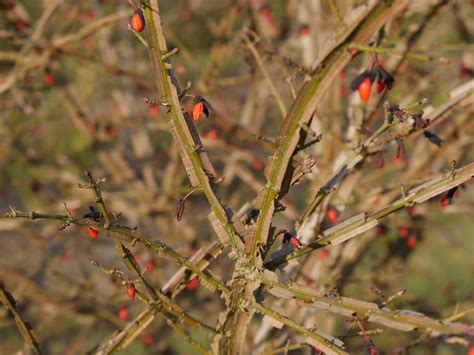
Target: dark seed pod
x: 383, y: 76
x: 180, y: 209
x: 433, y: 138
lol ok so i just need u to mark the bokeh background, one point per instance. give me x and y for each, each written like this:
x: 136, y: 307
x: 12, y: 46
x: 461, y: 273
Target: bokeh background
x: 76, y: 102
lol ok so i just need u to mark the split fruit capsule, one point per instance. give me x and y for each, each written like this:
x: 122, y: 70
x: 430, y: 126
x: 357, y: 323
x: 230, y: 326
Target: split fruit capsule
x: 138, y: 20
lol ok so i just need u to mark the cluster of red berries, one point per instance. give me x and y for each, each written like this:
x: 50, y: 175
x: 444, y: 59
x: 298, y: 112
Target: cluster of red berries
x: 410, y: 236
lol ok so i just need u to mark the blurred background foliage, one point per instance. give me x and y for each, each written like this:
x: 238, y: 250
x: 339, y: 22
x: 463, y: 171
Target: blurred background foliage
x: 93, y: 116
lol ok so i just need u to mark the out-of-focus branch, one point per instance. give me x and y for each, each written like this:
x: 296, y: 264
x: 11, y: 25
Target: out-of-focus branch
x: 398, y: 319
x: 25, y: 330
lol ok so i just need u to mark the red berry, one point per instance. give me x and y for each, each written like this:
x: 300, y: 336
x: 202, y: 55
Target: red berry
x: 267, y: 13
x: 411, y: 242
x: 258, y: 164
x: 92, y: 232
x: 88, y: 15
x: 324, y: 254
x: 403, y: 232
x: 123, y: 313
x: 149, y: 339
x: 412, y: 211
x: 295, y: 242
x: 198, y: 110
x: 153, y: 111
x: 192, y: 284
x: 444, y: 200
x: 110, y: 130
x: 332, y: 215
x: 364, y: 89
x: 213, y: 134
x: 49, y: 79
x: 304, y: 30
x: 398, y: 160
x: 150, y: 266
x: 131, y: 291
x: 138, y: 20
x: 381, y: 86
x: 471, y: 349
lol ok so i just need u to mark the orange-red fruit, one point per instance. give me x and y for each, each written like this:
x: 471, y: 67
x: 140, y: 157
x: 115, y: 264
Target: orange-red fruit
x: 213, y: 134
x: 49, y: 79
x: 198, y: 110
x: 123, y: 313
x: 412, y: 211
x: 295, y: 242
x: 138, y: 21
x: 131, y: 291
x: 149, y: 339
x: 398, y: 160
x: 153, y: 110
x: 411, y: 242
x: 92, y: 232
x: 150, y: 266
x: 381, y: 86
x: 304, y: 30
x: 258, y: 164
x: 471, y: 349
x: 267, y: 13
x: 364, y: 89
x: 324, y: 254
x: 193, y: 284
x: 332, y: 215
x: 403, y: 232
